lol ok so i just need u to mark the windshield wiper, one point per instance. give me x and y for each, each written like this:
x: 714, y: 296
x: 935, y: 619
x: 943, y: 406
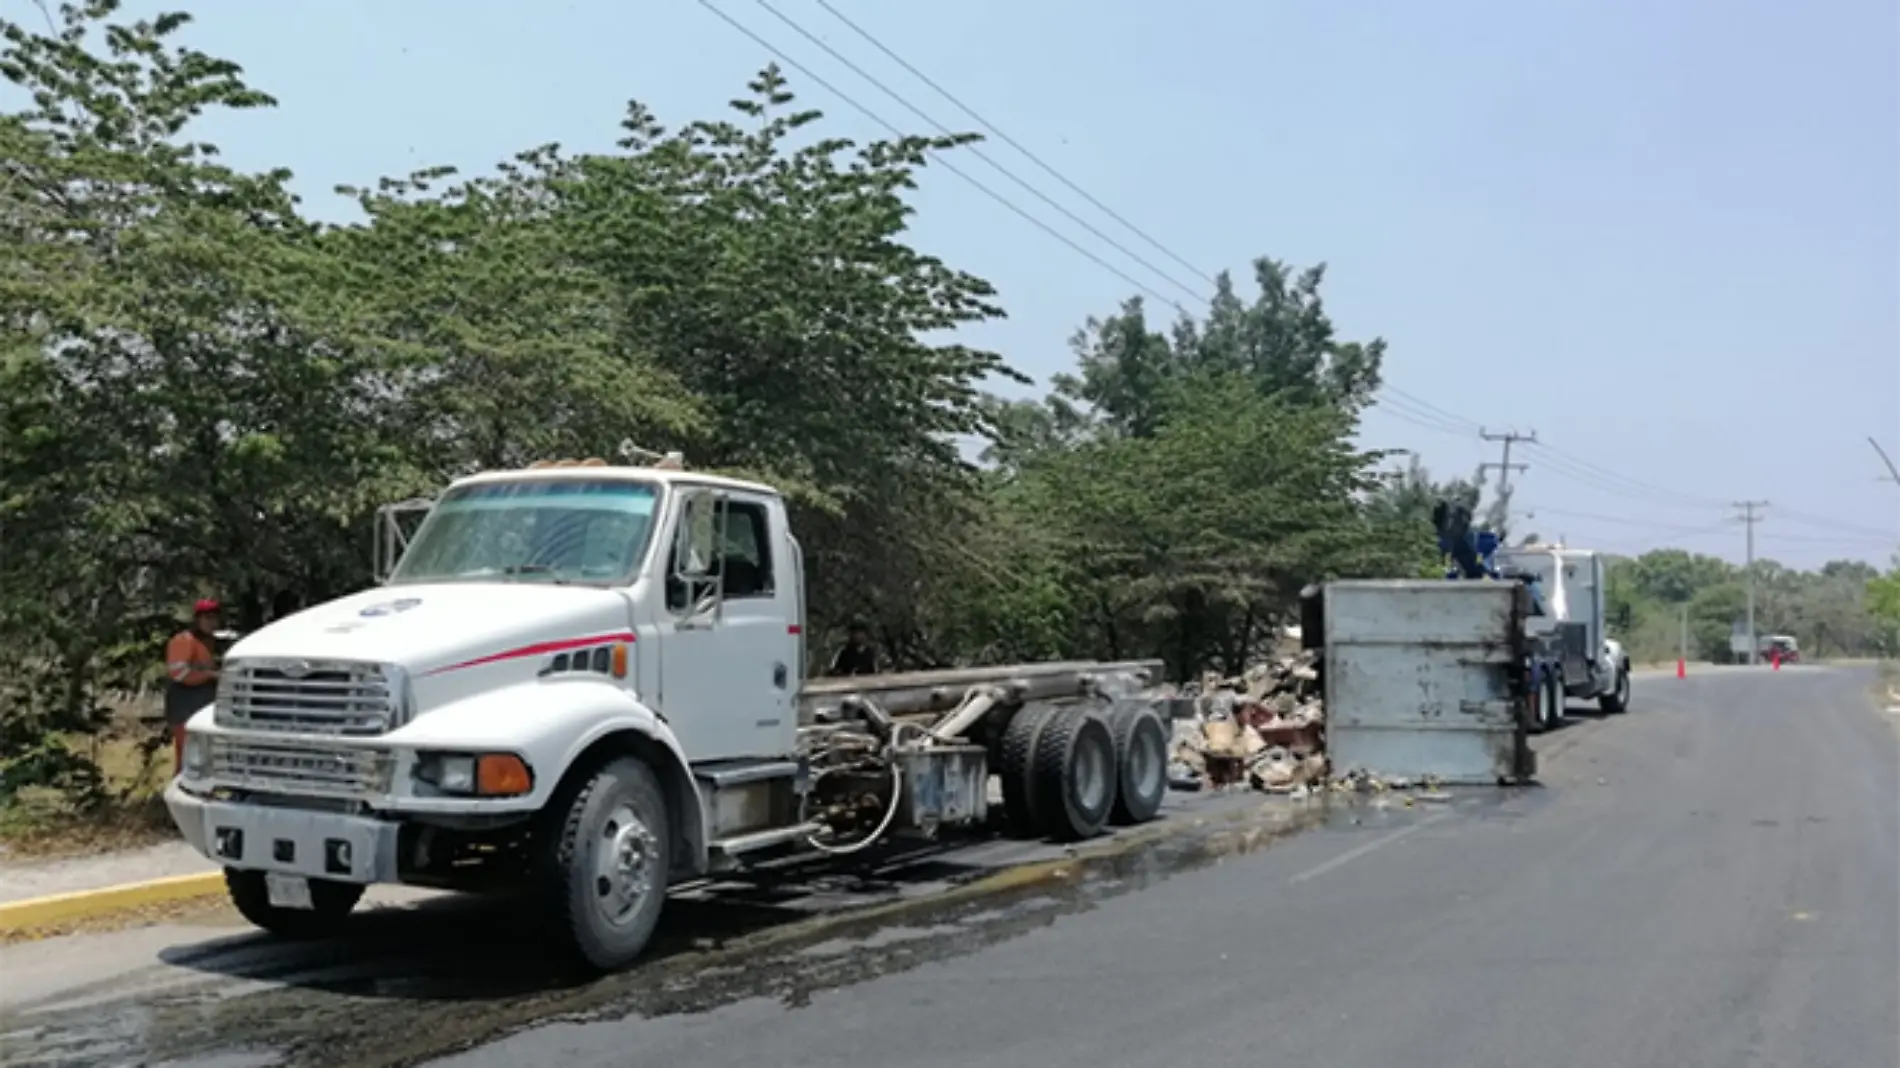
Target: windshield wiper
x: 533, y: 569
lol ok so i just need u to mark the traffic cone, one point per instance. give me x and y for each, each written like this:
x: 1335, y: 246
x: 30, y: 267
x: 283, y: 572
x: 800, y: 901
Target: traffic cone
x: 1682, y: 667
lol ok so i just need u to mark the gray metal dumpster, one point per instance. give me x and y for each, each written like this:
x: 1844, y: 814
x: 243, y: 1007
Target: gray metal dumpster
x: 1424, y: 678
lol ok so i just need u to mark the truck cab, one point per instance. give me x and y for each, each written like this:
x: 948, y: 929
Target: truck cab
x: 540, y: 620
x: 1572, y: 582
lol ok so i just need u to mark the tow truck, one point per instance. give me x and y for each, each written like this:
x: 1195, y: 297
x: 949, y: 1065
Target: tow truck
x: 1474, y: 556
x: 588, y: 680
x: 1591, y: 664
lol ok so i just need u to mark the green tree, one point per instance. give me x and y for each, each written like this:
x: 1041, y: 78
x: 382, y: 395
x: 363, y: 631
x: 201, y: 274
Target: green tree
x: 763, y: 267
x: 1400, y: 508
x: 171, y: 424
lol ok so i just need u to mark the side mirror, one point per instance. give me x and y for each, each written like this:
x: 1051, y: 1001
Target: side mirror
x: 694, y: 584
x: 395, y: 525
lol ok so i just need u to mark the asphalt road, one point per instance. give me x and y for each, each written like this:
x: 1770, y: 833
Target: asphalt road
x: 1713, y: 879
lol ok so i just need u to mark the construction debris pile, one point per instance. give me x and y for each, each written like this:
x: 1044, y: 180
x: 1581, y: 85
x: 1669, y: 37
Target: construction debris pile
x: 1266, y: 727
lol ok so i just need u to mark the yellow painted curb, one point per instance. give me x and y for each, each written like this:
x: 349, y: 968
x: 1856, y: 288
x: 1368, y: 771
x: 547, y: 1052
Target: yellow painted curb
x: 84, y: 904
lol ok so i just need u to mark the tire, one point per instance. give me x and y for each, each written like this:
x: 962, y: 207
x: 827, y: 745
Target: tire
x: 1535, y: 696
x: 1017, y: 768
x: 1075, y: 780
x: 332, y: 903
x: 1141, y: 763
x: 1617, y: 701
x: 1555, y: 700
x: 607, y: 863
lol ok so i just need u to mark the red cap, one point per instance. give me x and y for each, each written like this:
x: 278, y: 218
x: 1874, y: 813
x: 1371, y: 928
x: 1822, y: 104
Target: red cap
x: 204, y: 606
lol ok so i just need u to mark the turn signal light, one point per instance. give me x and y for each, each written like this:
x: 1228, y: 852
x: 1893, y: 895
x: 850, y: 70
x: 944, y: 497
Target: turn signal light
x: 502, y: 775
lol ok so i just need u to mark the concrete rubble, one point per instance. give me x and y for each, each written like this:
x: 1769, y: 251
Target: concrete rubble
x: 1266, y: 729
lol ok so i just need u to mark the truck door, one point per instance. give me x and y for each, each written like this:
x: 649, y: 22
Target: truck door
x: 726, y: 672
x: 1583, y: 578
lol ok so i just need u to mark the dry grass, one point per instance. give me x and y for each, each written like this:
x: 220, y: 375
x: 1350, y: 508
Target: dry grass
x: 136, y: 764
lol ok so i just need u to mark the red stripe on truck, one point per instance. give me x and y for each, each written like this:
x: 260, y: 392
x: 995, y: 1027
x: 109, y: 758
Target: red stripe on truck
x: 561, y: 645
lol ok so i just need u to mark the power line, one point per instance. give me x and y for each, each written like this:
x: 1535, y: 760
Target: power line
x: 1011, y: 141
x: 938, y: 156
x: 1414, y: 409
x: 1405, y: 408
x: 1417, y: 411
x: 799, y: 29
x: 1408, y: 407
x: 1623, y: 520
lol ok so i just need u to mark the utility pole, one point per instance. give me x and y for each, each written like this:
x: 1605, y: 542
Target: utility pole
x: 1505, y: 467
x: 1749, y: 518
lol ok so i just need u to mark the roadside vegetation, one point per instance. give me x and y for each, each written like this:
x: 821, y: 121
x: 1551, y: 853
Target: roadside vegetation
x: 204, y: 391
x: 1845, y: 610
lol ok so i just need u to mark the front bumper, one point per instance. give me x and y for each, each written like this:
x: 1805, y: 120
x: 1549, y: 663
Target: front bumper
x: 316, y: 845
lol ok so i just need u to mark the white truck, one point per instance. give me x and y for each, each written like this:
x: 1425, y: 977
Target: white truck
x: 588, y: 680
x: 1571, y: 582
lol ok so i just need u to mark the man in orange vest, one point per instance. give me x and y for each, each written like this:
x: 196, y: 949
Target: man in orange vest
x: 191, y: 669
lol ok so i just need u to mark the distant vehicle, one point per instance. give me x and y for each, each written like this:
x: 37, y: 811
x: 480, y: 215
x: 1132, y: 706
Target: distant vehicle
x: 1782, y: 645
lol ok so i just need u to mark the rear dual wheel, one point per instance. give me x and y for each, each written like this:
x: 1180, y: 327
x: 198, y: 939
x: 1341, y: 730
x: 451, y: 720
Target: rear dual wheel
x: 1141, y: 761
x: 1067, y: 773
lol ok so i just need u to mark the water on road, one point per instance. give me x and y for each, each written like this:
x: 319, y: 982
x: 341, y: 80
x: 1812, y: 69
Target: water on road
x: 1712, y: 879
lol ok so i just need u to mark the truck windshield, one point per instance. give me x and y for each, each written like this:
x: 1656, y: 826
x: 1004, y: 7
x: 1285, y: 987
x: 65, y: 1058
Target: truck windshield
x: 1541, y: 566
x: 553, y: 530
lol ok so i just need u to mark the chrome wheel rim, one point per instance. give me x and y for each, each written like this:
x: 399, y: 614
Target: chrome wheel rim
x: 625, y: 853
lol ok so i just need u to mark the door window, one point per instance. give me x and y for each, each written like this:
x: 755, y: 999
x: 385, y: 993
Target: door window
x: 722, y: 551
x: 693, y: 566
x: 745, y: 559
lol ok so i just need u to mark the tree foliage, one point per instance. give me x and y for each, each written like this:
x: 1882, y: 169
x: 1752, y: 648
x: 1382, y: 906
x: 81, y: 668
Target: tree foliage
x: 203, y: 391
x: 1832, y: 611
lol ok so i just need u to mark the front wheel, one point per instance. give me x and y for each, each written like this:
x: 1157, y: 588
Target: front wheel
x: 330, y: 905
x: 1617, y: 701
x: 1536, y: 716
x: 608, y: 860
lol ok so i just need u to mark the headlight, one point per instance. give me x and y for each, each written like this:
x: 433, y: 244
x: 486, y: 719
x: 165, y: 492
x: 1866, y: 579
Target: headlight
x: 475, y: 774
x: 197, y: 754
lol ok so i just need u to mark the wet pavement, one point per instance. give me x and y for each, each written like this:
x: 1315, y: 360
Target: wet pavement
x: 422, y: 972
x: 1712, y: 880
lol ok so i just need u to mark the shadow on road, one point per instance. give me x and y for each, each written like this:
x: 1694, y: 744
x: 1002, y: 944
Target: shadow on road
x: 1576, y: 715
x: 460, y: 947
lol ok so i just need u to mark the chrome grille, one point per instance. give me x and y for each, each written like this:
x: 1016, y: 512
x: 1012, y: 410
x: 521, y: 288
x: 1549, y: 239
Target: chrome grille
x: 300, y: 768
x: 309, y: 697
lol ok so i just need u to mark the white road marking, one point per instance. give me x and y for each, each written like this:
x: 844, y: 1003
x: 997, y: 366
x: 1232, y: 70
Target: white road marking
x: 1356, y: 852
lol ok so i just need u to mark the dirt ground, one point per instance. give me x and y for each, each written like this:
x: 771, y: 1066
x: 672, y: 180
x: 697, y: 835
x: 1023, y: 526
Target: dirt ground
x: 136, y: 763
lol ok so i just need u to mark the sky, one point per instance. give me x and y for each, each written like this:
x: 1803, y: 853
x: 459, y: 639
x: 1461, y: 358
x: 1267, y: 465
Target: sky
x: 1664, y: 235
